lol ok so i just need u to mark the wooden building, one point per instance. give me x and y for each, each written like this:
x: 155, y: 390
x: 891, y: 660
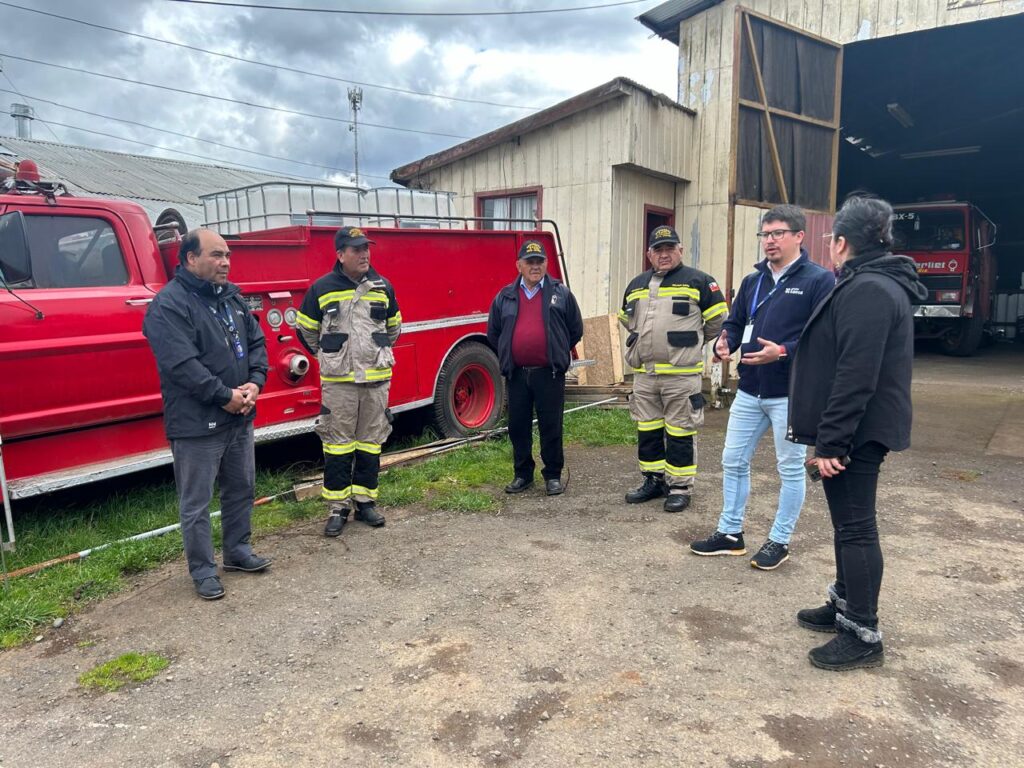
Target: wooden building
x: 607, y: 166
x: 804, y: 101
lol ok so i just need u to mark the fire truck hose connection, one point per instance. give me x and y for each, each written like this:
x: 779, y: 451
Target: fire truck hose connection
x: 298, y: 365
x: 397, y: 457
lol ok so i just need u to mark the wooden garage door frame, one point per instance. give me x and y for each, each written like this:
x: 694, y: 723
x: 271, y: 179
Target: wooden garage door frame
x: 744, y: 39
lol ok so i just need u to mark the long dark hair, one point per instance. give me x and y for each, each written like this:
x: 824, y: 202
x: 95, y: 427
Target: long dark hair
x: 865, y: 222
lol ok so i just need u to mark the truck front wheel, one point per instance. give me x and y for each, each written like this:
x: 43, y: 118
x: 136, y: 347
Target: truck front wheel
x: 470, y: 393
x: 964, y: 338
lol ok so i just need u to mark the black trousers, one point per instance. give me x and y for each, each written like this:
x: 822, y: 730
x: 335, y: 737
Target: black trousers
x: 543, y: 389
x: 851, y: 503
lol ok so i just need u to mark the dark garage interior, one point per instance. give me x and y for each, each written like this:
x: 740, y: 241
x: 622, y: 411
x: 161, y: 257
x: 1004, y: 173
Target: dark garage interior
x: 939, y: 115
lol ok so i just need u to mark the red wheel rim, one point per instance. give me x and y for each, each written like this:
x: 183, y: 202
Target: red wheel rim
x: 473, y: 396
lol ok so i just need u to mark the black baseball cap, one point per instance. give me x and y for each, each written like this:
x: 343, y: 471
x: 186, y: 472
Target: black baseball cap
x: 347, y: 236
x: 661, y: 235
x: 532, y: 249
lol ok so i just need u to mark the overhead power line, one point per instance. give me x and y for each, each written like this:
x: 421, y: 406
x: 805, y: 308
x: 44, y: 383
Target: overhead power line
x: 219, y: 161
x: 187, y: 136
x: 525, y: 12
x: 240, y: 102
x: 242, y: 59
x: 19, y: 93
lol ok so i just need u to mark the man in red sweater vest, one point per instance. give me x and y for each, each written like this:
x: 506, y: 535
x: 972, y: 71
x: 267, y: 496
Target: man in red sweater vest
x: 533, y: 325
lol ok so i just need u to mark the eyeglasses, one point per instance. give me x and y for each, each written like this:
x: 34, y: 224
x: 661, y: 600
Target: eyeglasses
x: 775, y: 234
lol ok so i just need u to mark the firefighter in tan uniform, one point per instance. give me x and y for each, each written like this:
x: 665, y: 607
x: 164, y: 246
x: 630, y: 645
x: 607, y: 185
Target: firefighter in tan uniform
x: 669, y: 312
x: 350, y: 320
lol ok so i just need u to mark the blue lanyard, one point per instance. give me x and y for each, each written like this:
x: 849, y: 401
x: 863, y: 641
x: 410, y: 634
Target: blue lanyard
x: 228, y: 321
x: 755, y: 305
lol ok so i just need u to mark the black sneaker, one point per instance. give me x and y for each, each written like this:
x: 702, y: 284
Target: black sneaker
x: 821, y: 619
x: 720, y: 544
x: 770, y: 556
x: 847, y: 651
x: 653, y: 488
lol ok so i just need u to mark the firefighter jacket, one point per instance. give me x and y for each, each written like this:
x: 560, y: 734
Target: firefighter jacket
x: 206, y: 343
x: 669, y: 317
x: 351, y: 327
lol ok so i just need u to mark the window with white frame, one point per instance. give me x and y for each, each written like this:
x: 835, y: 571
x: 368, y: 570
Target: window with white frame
x: 522, y: 207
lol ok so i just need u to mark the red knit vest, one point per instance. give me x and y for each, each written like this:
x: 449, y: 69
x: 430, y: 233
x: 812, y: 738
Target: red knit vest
x: 529, y: 342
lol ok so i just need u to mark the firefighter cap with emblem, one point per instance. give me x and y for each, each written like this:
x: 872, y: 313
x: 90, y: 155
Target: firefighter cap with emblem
x: 532, y: 249
x: 661, y: 235
x: 353, y: 236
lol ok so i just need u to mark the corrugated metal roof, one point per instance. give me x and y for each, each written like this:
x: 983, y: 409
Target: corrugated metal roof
x: 154, y: 183
x: 664, y: 20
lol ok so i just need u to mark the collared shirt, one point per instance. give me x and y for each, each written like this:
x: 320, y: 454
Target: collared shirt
x: 530, y: 294
x: 777, y: 274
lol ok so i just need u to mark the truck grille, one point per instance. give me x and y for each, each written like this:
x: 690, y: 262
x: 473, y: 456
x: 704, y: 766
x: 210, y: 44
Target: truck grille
x: 936, y: 283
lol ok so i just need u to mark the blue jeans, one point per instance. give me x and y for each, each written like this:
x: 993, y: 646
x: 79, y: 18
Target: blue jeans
x: 749, y: 418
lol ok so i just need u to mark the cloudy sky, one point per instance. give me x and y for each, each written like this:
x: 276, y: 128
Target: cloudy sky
x: 522, y: 62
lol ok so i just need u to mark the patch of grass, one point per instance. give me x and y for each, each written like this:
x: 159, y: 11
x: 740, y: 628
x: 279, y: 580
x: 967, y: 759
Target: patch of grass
x: 596, y: 427
x: 126, y: 668
x: 48, y: 530
x: 464, y: 500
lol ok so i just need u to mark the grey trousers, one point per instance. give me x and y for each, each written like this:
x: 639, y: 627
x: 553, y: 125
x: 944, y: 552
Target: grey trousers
x: 228, y: 457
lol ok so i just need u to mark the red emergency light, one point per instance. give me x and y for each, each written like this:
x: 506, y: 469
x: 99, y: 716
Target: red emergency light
x: 27, y: 171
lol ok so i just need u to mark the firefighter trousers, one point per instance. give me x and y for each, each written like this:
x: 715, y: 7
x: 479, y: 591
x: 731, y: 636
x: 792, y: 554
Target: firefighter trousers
x: 668, y: 409
x: 353, y: 424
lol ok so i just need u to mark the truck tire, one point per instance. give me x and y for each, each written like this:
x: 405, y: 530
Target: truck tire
x: 965, y: 337
x: 470, y: 394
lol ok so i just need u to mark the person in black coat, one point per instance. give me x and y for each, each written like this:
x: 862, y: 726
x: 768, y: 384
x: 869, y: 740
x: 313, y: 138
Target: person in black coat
x: 849, y: 397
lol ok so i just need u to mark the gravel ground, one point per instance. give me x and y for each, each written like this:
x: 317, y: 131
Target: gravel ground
x: 578, y: 630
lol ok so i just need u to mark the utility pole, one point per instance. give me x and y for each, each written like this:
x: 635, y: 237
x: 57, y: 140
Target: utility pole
x: 355, y: 98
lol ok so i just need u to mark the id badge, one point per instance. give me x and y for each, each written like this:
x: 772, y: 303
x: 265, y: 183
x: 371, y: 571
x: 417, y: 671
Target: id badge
x: 748, y: 333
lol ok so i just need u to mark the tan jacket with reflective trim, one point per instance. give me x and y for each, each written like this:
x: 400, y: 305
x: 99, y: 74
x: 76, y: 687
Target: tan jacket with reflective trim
x: 351, y: 327
x: 669, y: 318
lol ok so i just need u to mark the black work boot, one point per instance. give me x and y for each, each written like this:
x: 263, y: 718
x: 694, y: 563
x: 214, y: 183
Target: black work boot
x: 853, y: 647
x: 335, y: 522
x: 654, y: 487
x: 366, y: 512
x: 676, y: 502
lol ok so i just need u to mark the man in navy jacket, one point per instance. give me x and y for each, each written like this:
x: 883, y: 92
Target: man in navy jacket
x: 767, y: 315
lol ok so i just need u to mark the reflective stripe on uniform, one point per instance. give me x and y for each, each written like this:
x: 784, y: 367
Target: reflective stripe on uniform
x: 375, y: 296
x: 689, y: 471
x: 367, y: 447
x: 652, y: 466
x: 665, y: 368
x: 339, y: 449
x: 623, y: 316
x: 639, y: 293
x: 679, y: 431
x: 393, y: 321
x: 715, y: 310
x: 333, y: 296
x: 372, y: 374
x: 650, y: 426
x: 341, y: 495
x: 679, y: 290
x: 362, y: 490
x: 307, y: 322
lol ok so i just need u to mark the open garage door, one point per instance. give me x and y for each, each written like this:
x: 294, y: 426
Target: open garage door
x: 932, y: 119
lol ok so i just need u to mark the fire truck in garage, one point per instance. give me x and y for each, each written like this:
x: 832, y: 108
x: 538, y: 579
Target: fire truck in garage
x: 951, y: 243
x: 79, y: 391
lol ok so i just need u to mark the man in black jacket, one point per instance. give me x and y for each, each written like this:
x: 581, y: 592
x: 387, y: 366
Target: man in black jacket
x: 533, y: 324
x: 212, y: 360
x: 767, y: 315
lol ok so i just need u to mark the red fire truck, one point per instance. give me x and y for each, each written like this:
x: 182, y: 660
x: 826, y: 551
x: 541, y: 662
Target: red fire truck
x: 951, y: 243
x: 79, y: 392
